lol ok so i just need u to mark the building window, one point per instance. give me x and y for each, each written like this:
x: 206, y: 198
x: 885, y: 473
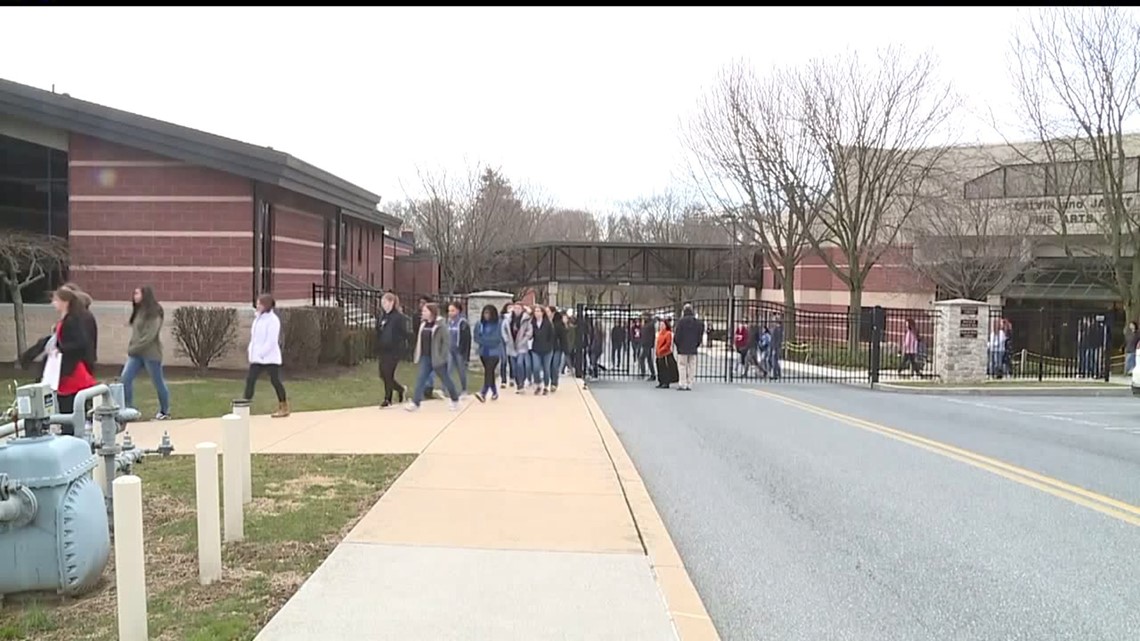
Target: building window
x: 263, y: 232
x: 343, y: 240
x: 327, y: 254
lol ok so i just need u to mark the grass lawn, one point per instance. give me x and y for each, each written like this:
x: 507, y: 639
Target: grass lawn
x: 1009, y: 382
x: 303, y: 506
x: 208, y: 396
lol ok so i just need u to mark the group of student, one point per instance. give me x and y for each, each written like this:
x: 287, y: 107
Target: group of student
x: 521, y: 346
x: 67, y: 355
x: 665, y: 355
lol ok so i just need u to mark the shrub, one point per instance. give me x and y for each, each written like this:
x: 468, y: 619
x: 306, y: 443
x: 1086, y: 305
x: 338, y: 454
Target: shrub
x: 204, y: 334
x: 332, y: 333
x: 300, y: 338
x: 358, y: 344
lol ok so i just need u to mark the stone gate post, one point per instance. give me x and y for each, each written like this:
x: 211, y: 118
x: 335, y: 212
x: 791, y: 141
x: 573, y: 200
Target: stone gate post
x: 961, y: 336
x: 475, y: 303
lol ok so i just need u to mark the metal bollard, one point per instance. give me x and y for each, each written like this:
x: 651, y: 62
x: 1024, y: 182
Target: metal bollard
x: 130, y: 559
x: 232, y: 479
x: 209, y: 519
x: 240, y: 407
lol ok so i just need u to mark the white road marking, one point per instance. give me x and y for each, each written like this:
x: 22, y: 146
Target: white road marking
x: 1013, y: 410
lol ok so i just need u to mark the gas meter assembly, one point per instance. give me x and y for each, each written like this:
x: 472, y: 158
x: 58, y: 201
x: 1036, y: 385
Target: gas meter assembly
x: 54, y: 517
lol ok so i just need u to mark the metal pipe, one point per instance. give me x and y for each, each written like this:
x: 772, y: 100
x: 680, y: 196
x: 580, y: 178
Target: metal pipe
x: 11, y: 428
x: 78, y: 416
x: 11, y: 508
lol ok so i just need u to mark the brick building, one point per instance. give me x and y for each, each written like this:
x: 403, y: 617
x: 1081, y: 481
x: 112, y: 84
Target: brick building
x: 202, y: 218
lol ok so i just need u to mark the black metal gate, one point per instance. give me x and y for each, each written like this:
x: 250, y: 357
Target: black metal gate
x: 749, y: 340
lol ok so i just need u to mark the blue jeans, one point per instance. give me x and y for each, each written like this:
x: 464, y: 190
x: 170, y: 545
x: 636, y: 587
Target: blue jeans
x: 131, y: 370
x: 457, y: 361
x: 504, y: 363
x: 423, y: 379
x: 540, y: 364
x: 519, y: 363
x: 1129, y: 362
x: 555, y: 367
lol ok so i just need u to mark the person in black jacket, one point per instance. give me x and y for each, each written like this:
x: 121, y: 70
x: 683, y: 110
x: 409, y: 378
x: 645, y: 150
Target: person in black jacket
x: 561, y: 347
x: 619, y: 339
x: 392, y: 332
x: 647, y: 359
x: 687, y: 338
x: 542, y: 349
x: 90, y: 325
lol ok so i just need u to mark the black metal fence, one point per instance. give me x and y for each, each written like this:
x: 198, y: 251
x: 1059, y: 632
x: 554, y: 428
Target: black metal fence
x: 1054, y: 343
x: 759, y: 340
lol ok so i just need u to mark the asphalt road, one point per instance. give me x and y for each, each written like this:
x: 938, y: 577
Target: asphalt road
x: 797, y: 522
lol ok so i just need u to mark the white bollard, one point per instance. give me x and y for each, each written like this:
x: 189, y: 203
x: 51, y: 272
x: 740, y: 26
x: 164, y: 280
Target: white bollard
x: 130, y: 559
x: 99, y: 474
x: 242, y: 410
x: 231, y: 478
x: 209, y: 518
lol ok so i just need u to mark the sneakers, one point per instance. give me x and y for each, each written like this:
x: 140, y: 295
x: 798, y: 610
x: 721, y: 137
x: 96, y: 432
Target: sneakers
x: 537, y: 391
x: 495, y: 397
x: 520, y: 391
x: 161, y: 417
x: 553, y: 389
x: 453, y: 405
x: 479, y: 397
x: 545, y: 391
x: 411, y: 406
x: 385, y: 404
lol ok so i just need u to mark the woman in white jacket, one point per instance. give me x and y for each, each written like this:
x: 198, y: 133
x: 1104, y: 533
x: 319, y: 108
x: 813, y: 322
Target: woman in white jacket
x: 265, y: 352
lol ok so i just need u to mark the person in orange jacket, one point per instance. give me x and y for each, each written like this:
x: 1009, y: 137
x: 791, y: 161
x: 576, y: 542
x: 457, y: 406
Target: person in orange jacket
x: 666, y: 363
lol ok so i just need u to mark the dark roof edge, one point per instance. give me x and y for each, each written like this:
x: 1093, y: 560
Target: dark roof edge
x: 190, y: 145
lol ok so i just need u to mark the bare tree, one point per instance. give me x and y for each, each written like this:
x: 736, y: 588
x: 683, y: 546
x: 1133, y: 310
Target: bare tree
x: 755, y: 162
x: 967, y: 248
x: 872, y: 128
x: 569, y: 225
x: 26, y: 259
x: 1075, y: 74
x: 467, y: 221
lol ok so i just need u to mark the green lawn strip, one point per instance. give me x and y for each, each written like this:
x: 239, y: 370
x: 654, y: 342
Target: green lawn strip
x: 210, y: 395
x: 303, y: 506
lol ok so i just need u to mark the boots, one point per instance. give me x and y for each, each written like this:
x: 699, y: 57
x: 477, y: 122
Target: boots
x: 282, y: 410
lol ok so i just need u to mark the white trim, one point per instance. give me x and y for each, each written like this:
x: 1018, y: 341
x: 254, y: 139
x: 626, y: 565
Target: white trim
x: 298, y: 272
x: 163, y: 268
x: 127, y: 163
x: 298, y: 241
x: 161, y: 199
x: 156, y: 233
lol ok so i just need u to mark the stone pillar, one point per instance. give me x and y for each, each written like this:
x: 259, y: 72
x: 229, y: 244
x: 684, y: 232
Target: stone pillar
x: 961, y: 334
x: 475, y: 303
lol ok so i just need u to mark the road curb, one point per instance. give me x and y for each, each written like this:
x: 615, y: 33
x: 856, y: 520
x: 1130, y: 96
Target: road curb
x: 1055, y: 391
x: 686, y: 609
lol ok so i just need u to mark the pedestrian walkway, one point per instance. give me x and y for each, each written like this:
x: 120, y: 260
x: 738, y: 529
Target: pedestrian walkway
x: 522, y: 519
x: 361, y: 430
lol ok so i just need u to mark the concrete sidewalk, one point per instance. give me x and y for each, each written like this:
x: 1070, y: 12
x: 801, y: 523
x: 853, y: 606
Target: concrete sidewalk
x: 522, y: 519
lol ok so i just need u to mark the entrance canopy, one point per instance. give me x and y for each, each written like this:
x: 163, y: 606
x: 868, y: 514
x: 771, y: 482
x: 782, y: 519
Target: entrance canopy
x: 587, y: 263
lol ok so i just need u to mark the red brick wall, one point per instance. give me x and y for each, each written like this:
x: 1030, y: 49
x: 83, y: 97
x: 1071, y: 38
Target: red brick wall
x: 415, y: 275
x: 393, y: 249
x: 298, y: 243
x: 141, y: 219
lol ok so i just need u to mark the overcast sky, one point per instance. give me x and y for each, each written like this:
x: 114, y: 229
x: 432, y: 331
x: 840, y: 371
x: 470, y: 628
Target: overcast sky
x: 582, y: 103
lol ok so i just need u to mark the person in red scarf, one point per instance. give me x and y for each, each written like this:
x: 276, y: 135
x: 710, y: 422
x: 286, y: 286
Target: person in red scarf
x: 77, y: 352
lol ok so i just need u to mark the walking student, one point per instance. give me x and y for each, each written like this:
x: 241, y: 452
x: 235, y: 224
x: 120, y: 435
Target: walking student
x: 647, y: 356
x: 1131, y: 338
x: 505, y: 365
x: 144, y: 351
x: 265, y: 352
x: 910, y: 349
x: 517, y: 332
x: 666, y: 364
x: 392, y: 330
x: 542, y: 350
x: 561, y: 347
x: 460, y: 336
x: 90, y: 325
x: 687, y: 339
x: 432, y: 354
x: 488, y: 335
x: 76, y: 352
